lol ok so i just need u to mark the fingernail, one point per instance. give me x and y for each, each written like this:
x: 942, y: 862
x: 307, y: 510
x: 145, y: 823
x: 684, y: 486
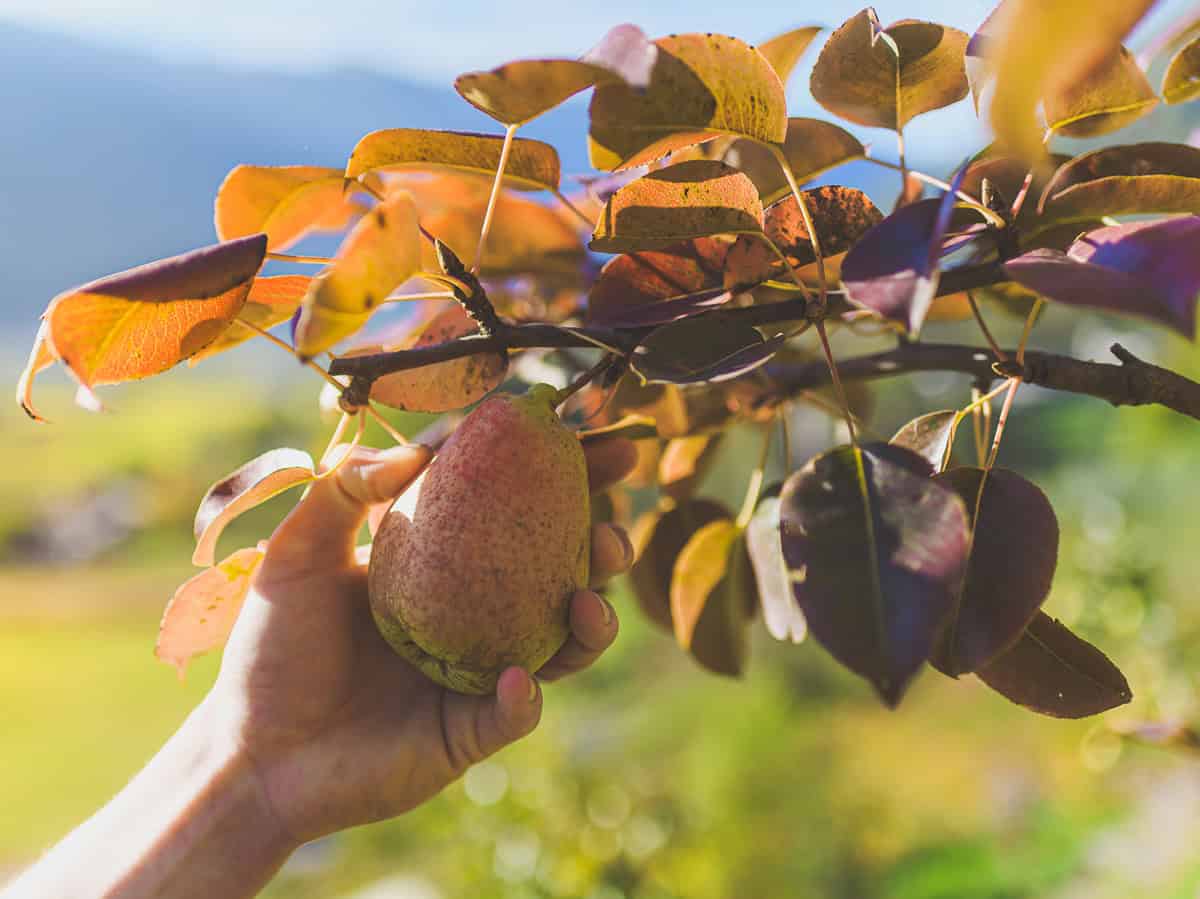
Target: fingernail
x: 626, y: 543
x: 606, y: 610
x: 533, y: 688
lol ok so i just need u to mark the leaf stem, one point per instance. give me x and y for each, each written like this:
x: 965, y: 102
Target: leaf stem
x: 271, y: 338
x: 606, y: 362
x: 987, y: 334
x: 837, y: 382
x: 795, y: 275
x: 304, y: 260
x: 505, y: 149
x: 386, y: 425
x: 992, y: 217
x: 754, y: 487
x: 583, y: 219
x: 806, y: 215
x: 1013, y: 384
x: 1029, y: 321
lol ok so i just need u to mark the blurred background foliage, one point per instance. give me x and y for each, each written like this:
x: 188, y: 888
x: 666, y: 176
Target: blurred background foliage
x: 648, y: 778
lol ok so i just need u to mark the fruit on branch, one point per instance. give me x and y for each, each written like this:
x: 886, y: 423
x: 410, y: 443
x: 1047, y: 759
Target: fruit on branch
x: 482, y: 575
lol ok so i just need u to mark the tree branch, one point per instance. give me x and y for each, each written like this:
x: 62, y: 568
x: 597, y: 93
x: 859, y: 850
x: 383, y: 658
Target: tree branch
x: 1133, y: 382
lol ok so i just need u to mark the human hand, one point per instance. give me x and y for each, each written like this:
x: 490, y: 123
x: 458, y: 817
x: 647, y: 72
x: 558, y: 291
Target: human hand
x: 340, y: 730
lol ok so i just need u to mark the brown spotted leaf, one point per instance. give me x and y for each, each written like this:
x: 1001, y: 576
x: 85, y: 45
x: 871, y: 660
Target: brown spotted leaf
x: 698, y: 198
x: 257, y: 481
x: 285, y: 202
x: 532, y: 164
x: 143, y: 321
x: 443, y: 386
x: 201, y: 614
x: 702, y: 86
x: 519, y: 91
x: 381, y: 252
x: 841, y: 215
x: 629, y: 281
x: 1113, y: 95
x: 1053, y: 672
x: 883, y: 77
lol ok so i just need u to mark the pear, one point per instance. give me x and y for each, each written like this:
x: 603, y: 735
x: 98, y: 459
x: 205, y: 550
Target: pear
x: 481, y: 576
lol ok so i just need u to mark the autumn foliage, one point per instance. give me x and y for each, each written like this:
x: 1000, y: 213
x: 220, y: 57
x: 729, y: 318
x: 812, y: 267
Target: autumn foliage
x: 689, y: 287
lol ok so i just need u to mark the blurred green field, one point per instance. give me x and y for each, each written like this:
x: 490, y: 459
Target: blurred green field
x: 648, y: 778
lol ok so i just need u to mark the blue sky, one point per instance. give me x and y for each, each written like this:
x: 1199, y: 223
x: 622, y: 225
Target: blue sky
x: 434, y: 40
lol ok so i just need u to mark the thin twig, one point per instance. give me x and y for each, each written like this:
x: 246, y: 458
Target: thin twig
x: 505, y: 149
x: 304, y: 260
x: 583, y: 219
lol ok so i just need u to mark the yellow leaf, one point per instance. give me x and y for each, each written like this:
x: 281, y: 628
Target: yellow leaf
x: 702, y: 565
x: 381, y: 252
x: 284, y: 202
x: 784, y: 50
x: 532, y: 165
x: 1115, y: 94
x: 702, y: 86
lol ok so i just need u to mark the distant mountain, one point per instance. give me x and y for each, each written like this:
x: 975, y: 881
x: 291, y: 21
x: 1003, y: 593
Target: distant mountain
x: 109, y: 159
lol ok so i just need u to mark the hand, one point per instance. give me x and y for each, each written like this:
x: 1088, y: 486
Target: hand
x: 340, y: 730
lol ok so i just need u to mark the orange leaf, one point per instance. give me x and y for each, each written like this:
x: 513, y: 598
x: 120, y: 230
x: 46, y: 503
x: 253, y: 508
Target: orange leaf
x: 381, y: 252
x: 445, y: 385
x: 253, y: 484
x: 271, y: 300
x: 698, y: 198
x: 203, y: 610
x: 143, y: 321
x: 41, y: 357
x: 532, y: 165
x: 702, y: 86
x: 285, y: 202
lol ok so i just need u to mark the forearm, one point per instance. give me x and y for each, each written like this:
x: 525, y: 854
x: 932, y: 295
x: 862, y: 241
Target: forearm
x: 192, y: 823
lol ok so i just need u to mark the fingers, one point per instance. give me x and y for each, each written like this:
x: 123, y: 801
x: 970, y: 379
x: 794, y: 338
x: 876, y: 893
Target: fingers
x: 321, y: 530
x: 594, y: 626
x: 608, y: 461
x: 612, y: 553
x: 478, y: 726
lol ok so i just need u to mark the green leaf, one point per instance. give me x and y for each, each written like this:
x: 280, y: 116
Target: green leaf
x: 811, y: 147
x: 1014, y: 551
x: 784, y: 50
x: 532, y: 165
x: 709, y: 606
x: 1113, y: 95
x: 259, y: 480
x: 1181, y: 82
x: 1052, y: 671
x: 658, y: 537
x: 885, y: 77
x: 381, y: 252
x: 930, y: 436
x: 702, y: 86
x: 698, y: 198
x: 522, y: 90
x: 876, y: 551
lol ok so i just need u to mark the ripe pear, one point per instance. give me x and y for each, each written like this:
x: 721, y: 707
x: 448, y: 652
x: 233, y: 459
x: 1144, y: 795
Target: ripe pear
x: 481, y: 576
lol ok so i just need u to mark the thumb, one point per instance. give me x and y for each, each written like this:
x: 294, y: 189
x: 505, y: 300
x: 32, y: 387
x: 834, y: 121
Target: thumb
x: 321, y: 531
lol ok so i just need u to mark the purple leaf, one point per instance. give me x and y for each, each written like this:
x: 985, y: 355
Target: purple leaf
x: 876, y: 550
x: 1149, y: 269
x: 663, y: 311
x: 710, y: 347
x: 894, y: 268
